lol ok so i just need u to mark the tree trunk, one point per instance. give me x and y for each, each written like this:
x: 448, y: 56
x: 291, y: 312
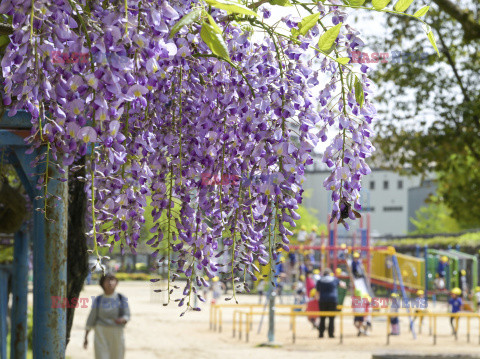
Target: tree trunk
x: 77, y: 257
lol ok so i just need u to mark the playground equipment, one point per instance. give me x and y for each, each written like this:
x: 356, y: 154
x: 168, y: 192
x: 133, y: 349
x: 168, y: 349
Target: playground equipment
x: 456, y: 262
x: 414, y: 272
x: 49, y: 252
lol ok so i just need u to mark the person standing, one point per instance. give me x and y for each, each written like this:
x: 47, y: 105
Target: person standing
x: 109, y: 314
x: 327, y: 287
x: 455, y: 302
x: 357, y: 266
x: 464, y: 283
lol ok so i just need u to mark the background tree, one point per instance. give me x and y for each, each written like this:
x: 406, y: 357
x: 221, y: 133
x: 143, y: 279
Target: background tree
x: 433, y: 116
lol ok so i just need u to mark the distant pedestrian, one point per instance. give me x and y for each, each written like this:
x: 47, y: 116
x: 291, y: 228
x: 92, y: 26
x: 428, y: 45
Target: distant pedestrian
x: 309, y: 282
x: 394, y: 321
x: 327, y: 288
x: 109, y: 314
x: 217, y: 288
x: 477, y: 297
x: 464, y: 283
x: 455, y: 302
x: 357, y: 270
x: 441, y: 272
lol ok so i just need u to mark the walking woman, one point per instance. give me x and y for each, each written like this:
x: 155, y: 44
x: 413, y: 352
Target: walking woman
x: 108, y: 316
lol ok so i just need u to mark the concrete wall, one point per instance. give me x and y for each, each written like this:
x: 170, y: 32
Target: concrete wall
x: 385, y: 195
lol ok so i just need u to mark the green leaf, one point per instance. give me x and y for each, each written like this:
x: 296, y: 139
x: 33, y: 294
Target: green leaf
x: 403, y: 5
x: 350, y: 81
x: 355, y: 2
x: 328, y: 38
x: 4, y: 40
x: 431, y: 37
x: 307, y: 23
x: 213, y: 23
x: 359, y: 95
x: 231, y: 6
x: 343, y: 60
x: 281, y: 2
x: 421, y: 12
x: 215, y: 41
x: 188, y: 19
x: 380, y: 4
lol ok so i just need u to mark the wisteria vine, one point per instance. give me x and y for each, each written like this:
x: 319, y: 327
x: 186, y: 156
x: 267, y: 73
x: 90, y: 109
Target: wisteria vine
x: 165, y: 95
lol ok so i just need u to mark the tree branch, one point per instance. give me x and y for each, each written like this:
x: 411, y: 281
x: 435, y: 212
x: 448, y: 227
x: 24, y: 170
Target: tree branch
x: 471, y: 28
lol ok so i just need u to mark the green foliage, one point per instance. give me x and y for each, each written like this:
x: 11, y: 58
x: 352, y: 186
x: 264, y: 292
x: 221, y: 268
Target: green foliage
x: 215, y: 41
x: 403, y: 5
x: 432, y: 109
x: 231, y: 7
x: 434, y: 218
x: 470, y: 240
x: 306, y: 24
x: 280, y: 2
x: 328, y: 38
x: 380, y: 4
x: 6, y: 254
x: 188, y: 19
x: 422, y: 12
x: 359, y: 94
x: 308, y: 221
x: 132, y: 276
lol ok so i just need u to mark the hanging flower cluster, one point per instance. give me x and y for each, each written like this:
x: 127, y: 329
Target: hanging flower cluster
x: 166, y: 98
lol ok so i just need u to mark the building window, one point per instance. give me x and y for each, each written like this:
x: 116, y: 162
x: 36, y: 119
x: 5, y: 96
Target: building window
x: 385, y: 184
x: 400, y: 184
x: 372, y: 185
x: 393, y: 209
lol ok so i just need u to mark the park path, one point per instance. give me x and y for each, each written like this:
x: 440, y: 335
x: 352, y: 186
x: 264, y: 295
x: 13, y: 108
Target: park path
x: 156, y: 331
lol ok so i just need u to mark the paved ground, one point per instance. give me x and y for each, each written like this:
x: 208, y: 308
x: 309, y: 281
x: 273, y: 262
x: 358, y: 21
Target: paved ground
x: 156, y: 331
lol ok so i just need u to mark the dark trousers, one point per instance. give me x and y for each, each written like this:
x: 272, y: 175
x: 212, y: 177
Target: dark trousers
x: 327, y: 307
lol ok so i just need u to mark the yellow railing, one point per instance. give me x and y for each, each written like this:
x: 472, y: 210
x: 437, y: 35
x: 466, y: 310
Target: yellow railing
x: 432, y: 319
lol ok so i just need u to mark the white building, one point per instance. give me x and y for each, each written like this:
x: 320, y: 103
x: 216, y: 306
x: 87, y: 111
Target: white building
x: 390, y: 198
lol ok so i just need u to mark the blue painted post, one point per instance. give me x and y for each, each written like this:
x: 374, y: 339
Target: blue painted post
x: 417, y: 251
x: 425, y: 258
x: 271, y: 317
x: 3, y: 312
x: 18, y: 343
x: 50, y: 271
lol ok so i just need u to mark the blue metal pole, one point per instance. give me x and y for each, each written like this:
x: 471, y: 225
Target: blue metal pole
x: 3, y: 312
x: 50, y: 270
x: 425, y: 257
x: 271, y: 317
x: 18, y: 343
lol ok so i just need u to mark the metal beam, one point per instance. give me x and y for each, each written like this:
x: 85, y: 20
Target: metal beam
x: 13, y: 137
x: 50, y: 270
x: 18, y: 342
x: 3, y: 311
x: 22, y: 119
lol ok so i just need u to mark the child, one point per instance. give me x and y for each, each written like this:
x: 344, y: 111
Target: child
x: 395, y: 323
x: 358, y: 320
x: 312, y: 306
x: 456, y: 302
x: 368, y: 316
x: 477, y: 297
x: 463, y: 283
x: 357, y: 266
x: 421, y: 304
x: 217, y: 288
x: 441, y: 273
x: 300, y: 293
